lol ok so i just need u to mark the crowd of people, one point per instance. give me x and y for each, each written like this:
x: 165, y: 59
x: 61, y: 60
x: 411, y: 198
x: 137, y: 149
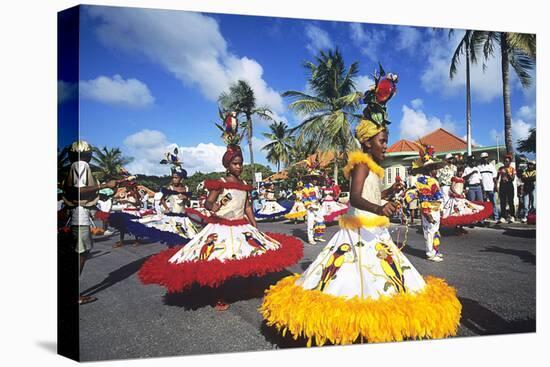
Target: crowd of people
x: 510, y: 191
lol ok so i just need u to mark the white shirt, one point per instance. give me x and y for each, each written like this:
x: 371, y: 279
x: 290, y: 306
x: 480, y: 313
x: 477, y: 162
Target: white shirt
x: 488, y: 173
x: 105, y: 206
x: 473, y: 179
x: 80, y: 216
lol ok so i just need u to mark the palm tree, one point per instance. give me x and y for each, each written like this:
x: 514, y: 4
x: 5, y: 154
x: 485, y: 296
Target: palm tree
x: 109, y: 162
x: 241, y: 99
x: 529, y: 144
x: 303, y: 149
x: 280, y: 147
x: 519, y: 51
x: 330, y: 109
x: 469, y: 46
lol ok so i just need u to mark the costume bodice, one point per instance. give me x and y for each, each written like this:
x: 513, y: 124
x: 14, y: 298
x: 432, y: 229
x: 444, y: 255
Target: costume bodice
x: 176, y: 204
x: 232, y: 201
x: 372, y: 192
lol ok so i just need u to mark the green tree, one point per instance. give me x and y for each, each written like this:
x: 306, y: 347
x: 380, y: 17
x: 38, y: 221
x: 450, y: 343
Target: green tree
x: 241, y: 99
x: 301, y: 149
x: 329, y: 110
x: 109, y: 162
x: 278, y: 150
x: 519, y: 51
x: 529, y: 144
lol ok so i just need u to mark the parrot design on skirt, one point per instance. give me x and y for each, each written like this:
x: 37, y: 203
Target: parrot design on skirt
x: 391, y: 267
x: 332, y: 265
x: 257, y: 245
x: 208, y: 247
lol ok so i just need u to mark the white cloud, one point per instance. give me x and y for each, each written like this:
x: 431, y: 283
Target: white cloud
x: 496, y: 136
x: 417, y: 103
x: 318, y: 39
x: 148, y: 147
x: 116, y: 90
x: 363, y: 83
x: 485, y: 86
x: 520, y: 129
x: 527, y: 113
x: 188, y: 45
x: 408, y: 38
x: 368, y: 40
x: 415, y: 123
x: 474, y: 142
x: 66, y: 91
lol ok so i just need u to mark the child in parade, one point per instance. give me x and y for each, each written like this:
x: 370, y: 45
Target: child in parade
x: 230, y: 245
x: 361, y: 287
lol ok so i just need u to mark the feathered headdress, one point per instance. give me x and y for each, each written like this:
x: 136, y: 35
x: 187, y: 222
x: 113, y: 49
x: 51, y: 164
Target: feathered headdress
x: 176, y: 165
x: 375, y: 116
x: 313, y: 166
x: 231, y: 136
x: 426, y: 160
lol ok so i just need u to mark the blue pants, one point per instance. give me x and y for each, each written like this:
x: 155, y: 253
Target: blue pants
x: 491, y: 197
x: 474, y: 193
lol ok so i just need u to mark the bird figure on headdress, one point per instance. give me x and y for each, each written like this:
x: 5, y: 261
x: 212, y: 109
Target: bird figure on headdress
x: 230, y: 127
x: 171, y: 158
x: 384, y: 88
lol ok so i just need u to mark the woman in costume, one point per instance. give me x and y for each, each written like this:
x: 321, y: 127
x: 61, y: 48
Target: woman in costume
x: 270, y: 207
x: 314, y: 219
x: 361, y: 287
x: 172, y: 226
x: 298, y: 211
x: 459, y: 211
x: 230, y: 245
x: 330, y: 207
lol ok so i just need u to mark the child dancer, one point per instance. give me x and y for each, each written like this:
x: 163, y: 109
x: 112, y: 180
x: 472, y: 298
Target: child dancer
x: 361, y: 287
x: 230, y: 245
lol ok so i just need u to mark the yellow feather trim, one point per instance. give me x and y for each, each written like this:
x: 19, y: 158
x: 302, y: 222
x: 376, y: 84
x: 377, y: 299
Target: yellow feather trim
x: 357, y: 157
x: 295, y: 215
x: 433, y: 313
x: 362, y: 221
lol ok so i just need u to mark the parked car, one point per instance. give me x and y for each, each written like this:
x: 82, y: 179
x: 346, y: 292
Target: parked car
x: 343, y: 197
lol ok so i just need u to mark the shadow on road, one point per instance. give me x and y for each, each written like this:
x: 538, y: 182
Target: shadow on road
x: 115, y: 276
x: 300, y: 233
x: 522, y: 233
x: 414, y: 252
x: 524, y: 255
x: 50, y: 346
x: 275, y: 337
x: 483, y: 321
x: 231, y: 291
x: 96, y: 254
x: 305, y: 264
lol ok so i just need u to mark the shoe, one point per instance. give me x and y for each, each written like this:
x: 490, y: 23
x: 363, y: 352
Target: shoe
x: 312, y: 243
x: 524, y: 220
x: 502, y: 220
x: 439, y: 255
x: 108, y: 232
x: 321, y: 240
x: 435, y: 258
x: 512, y: 220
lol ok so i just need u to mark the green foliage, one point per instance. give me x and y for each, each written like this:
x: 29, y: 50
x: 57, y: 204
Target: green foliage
x: 529, y: 144
x: 108, y: 163
x: 280, y: 147
x: 248, y: 171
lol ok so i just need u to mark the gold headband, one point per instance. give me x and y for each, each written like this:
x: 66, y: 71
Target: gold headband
x: 366, y: 129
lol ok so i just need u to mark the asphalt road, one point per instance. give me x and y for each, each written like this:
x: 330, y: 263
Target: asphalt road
x: 492, y: 269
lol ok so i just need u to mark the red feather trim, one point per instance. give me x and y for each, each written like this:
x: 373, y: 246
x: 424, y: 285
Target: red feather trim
x: 333, y: 216
x: 194, y: 214
x: 102, y: 216
x: 459, y: 220
x: 227, y: 222
x: 178, y: 277
x: 457, y: 179
x: 219, y: 185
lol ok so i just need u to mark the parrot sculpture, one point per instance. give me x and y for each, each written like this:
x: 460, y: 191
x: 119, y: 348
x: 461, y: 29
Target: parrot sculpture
x: 391, y: 267
x: 332, y: 265
x: 257, y: 245
x: 208, y: 246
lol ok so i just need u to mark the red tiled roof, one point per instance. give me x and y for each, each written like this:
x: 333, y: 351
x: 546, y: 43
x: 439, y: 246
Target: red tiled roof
x: 441, y: 139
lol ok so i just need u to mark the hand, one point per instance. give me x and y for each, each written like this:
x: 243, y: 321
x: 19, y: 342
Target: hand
x: 215, y: 207
x: 110, y: 184
x: 387, y: 210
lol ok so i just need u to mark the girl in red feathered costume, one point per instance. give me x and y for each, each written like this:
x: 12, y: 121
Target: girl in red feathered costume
x: 230, y: 245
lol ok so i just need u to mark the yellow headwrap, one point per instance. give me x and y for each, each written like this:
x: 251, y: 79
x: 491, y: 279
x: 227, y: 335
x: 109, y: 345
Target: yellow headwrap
x: 366, y: 129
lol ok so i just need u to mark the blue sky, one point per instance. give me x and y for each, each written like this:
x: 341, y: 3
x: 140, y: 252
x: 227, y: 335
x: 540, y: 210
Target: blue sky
x: 149, y: 79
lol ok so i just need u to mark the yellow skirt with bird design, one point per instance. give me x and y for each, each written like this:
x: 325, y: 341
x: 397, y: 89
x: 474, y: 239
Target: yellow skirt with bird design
x: 362, y: 288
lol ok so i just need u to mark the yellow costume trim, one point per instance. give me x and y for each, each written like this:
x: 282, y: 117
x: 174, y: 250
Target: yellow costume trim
x: 366, y: 129
x: 362, y: 221
x: 295, y: 215
x: 434, y: 312
x: 356, y: 157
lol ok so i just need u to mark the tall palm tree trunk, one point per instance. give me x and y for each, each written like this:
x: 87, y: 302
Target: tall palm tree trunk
x: 506, y: 94
x: 468, y: 103
x: 335, y: 170
x: 249, y: 122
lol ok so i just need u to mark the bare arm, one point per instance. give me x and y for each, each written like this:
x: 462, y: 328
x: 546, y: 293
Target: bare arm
x: 210, y: 203
x: 358, y: 177
x: 250, y: 213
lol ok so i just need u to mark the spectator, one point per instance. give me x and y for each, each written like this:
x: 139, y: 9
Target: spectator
x: 528, y: 177
x: 472, y: 177
x: 413, y: 203
x: 444, y: 176
x: 505, y: 177
x: 488, y: 182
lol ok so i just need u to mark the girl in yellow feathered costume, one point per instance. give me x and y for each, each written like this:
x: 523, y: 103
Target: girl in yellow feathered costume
x: 361, y: 287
